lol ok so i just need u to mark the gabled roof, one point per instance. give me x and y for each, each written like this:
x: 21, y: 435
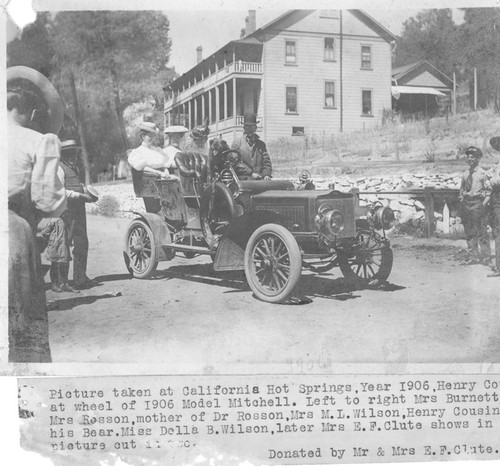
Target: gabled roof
x: 255, y: 39
x: 300, y: 14
x: 413, y: 68
x: 374, y: 25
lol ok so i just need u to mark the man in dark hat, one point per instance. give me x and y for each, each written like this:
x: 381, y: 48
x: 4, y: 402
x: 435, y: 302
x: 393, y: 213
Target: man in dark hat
x: 75, y: 216
x: 495, y: 207
x: 34, y: 114
x: 475, y: 191
x: 255, y: 162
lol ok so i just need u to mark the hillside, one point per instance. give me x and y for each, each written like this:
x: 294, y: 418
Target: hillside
x: 391, y: 149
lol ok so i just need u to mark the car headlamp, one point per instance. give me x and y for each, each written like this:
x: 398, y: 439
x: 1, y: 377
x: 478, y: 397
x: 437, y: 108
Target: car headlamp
x: 335, y: 221
x: 382, y: 217
x: 329, y: 221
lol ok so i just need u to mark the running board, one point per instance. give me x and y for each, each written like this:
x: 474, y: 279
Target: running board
x: 188, y: 248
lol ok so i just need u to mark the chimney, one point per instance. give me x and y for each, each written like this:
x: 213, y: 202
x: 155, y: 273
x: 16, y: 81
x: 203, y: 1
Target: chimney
x: 251, y: 24
x: 199, y: 54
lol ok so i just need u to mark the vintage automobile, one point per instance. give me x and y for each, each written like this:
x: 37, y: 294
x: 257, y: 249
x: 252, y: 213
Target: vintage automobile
x: 269, y: 229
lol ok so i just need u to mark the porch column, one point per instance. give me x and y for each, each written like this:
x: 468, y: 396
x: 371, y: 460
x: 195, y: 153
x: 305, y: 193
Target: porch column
x: 234, y: 98
x: 217, y: 107
x: 210, y: 106
x: 225, y: 100
x: 234, y: 108
x: 189, y: 114
x: 202, y: 108
x: 195, y: 112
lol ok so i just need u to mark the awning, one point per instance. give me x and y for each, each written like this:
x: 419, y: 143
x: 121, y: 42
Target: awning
x: 398, y: 90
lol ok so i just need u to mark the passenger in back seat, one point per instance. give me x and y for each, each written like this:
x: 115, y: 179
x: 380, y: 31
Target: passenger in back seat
x: 147, y: 157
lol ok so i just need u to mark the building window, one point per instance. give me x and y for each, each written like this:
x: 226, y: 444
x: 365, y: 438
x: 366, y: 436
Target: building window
x: 291, y: 100
x: 330, y: 94
x: 329, y: 54
x: 298, y: 131
x: 366, y: 98
x: 291, y: 52
x: 366, y: 57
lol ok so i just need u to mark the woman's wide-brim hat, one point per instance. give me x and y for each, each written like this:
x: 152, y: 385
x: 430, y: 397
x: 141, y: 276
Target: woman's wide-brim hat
x: 148, y: 126
x: 54, y: 103
x: 176, y: 129
x: 495, y: 143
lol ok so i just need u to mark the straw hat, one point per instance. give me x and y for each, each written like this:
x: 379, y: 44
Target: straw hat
x: 48, y: 92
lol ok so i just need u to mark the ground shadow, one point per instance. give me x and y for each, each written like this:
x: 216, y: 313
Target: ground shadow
x: 311, y: 285
x: 66, y: 304
x: 115, y: 277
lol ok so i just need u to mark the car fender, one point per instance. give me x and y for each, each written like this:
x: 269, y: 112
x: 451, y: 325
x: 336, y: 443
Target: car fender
x: 161, y: 234
x: 231, y: 250
x: 242, y: 227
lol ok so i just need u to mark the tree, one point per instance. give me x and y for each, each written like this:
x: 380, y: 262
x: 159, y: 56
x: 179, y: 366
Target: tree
x: 432, y: 36
x: 33, y: 49
x: 480, y: 43
x: 119, y: 53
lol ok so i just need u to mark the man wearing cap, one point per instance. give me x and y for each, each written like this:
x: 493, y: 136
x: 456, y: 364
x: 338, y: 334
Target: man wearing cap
x: 148, y: 158
x: 255, y: 162
x: 475, y: 191
x: 34, y: 115
x: 495, y: 207
x: 75, y: 216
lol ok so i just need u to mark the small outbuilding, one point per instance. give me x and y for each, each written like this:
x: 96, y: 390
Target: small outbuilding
x: 420, y: 90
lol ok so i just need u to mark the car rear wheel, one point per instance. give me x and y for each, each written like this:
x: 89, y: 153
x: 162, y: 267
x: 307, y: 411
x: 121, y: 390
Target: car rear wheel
x: 273, y: 263
x: 140, y: 250
x: 369, y: 259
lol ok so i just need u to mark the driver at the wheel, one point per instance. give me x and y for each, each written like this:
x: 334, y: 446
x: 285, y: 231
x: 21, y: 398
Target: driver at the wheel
x: 149, y: 158
x: 255, y: 162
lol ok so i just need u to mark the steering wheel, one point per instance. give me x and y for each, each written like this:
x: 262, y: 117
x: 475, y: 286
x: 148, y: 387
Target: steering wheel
x: 231, y: 156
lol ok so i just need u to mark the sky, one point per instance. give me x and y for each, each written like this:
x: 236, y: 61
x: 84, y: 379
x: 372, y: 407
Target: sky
x: 214, y: 27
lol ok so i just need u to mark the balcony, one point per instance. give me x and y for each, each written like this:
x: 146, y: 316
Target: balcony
x: 232, y: 123
x: 240, y: 69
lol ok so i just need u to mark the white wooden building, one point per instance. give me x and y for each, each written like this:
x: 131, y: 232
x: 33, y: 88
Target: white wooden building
x: 306, y: 72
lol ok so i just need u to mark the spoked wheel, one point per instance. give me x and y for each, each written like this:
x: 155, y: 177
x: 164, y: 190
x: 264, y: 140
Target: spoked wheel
x: 273, y: 263
x: 369, y: 259
x: 140, y: 250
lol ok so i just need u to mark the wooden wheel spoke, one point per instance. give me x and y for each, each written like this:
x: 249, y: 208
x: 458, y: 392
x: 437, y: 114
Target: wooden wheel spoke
x: 260, y: 251
x: 282, y: 275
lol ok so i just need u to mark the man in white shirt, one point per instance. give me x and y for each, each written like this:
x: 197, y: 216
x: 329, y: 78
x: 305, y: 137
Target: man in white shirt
x: 34, y: 115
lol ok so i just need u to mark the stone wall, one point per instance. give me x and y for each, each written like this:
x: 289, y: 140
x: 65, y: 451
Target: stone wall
x: 118, y: 199
x: 409, y: 209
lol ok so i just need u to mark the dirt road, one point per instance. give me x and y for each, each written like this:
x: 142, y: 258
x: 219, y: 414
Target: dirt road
x: 199, y: 321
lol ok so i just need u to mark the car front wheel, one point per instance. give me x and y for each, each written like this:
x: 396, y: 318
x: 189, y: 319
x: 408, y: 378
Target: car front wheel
x: 370, y: 258
x: 273, y: 263
x: 140, y: 250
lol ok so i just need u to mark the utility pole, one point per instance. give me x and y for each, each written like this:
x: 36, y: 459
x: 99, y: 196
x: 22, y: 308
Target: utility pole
x: 454, y: 93
x: 475, y: 88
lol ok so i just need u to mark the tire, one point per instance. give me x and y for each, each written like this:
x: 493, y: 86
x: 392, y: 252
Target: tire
x: 140, y: 250
x: 273, y: 263
x: 370, y: 259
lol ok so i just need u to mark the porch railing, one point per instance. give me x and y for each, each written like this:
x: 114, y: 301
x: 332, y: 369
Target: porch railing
x: 239, y: 120
x: 247, y: 67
